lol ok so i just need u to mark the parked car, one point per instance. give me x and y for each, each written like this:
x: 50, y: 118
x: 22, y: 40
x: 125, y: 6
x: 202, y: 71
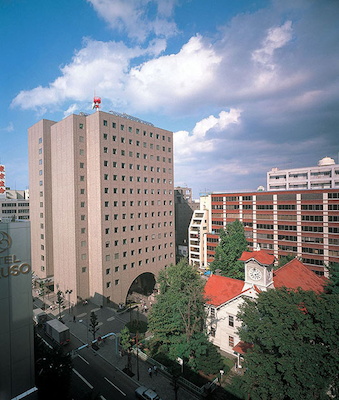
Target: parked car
x: 142, y: 392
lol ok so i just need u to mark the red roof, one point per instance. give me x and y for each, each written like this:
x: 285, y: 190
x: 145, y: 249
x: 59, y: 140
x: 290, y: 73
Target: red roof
x: 295, y: 274
x: 261, y: 256
x: 242, y: 347
x: 219, y: 289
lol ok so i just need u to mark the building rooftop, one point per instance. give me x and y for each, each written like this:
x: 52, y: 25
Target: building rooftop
x: 260, y: 256
x: 219, y: 289
x: 295, y: 274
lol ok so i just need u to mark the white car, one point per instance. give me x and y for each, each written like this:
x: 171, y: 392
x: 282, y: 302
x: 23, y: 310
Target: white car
x: 142, y: 392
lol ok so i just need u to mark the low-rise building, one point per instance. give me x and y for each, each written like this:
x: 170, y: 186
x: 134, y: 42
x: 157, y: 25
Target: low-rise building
x: 225, y: 295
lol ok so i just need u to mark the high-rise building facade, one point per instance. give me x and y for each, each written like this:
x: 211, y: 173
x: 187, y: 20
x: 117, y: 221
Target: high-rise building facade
x: 323, y: 176
x: 299, y: 223
x: 102, y: 209
x: 184, y: 208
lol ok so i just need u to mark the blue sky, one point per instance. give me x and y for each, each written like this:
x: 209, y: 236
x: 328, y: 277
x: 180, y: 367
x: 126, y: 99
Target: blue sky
x: 244, y: 85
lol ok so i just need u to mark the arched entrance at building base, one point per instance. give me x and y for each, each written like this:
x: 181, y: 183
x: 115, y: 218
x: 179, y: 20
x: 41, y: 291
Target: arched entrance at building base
x: 143, y: 286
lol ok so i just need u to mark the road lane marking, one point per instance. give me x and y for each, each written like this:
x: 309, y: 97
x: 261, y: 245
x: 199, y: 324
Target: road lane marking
x: 102, y: 398
x: 83, y: 359
x: 110, y: 319
x: 82, y: 378
x: 95, y: 309
x: 99, y: 324
x: 81, y: 315
x: 124, y: 394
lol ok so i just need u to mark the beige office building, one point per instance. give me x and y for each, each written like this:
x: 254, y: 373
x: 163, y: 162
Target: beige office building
x: 101, y: 200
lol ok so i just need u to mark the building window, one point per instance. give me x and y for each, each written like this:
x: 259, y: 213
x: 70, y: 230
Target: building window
x: 105, y: 122
x: 108, y: 284
x: 116, y: 282
x: 231, y: 341
x: 231, y: 320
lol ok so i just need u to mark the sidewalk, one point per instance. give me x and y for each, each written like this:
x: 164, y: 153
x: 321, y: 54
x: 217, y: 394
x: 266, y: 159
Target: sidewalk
x: 111, y: 322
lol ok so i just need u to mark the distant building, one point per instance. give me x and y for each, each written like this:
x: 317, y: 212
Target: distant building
x: 303, y: 223
x: 184, y: 207
x: 323, y: 176
x: 14, y: 205
x: 16, y: 305
x: 225, y: 295
x: 102, y: 204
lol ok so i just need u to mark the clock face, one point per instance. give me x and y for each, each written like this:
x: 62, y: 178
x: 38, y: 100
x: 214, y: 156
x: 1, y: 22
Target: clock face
x: 255, y: 274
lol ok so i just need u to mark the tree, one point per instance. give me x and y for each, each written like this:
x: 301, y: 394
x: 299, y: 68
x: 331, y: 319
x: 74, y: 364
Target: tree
x: 295, y: 352
x: 285, y: 259
x: 93, y: 324
x: 231, y: 245
x: 126, y: 344
x: 59, y: 301
x: 177, y: 319
x: 332, y: 286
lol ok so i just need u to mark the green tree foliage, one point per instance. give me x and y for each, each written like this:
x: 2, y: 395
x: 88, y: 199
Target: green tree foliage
x: 177, y: 319
x: 53, y: 371
x: 231, y: 245
x: 295, y: 345
x: 125, y: 338
x: 332, y: 286
x: 210, y: 362
x: 285, y: 259
x: 59, y: 301
x: 93, y: 324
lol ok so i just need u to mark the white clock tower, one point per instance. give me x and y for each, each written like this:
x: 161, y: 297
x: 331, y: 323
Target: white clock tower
x: 258, y: 269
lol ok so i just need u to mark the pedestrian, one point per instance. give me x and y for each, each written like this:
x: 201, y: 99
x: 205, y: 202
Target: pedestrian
x: 150, y: 372
x: 73, y: 318
x: 155, y: 369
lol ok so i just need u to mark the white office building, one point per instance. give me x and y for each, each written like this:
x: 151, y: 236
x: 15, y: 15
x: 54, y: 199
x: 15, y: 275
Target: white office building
x: 323, y: 176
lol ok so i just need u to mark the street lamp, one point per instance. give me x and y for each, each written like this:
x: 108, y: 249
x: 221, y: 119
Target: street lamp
x: 69, y: 291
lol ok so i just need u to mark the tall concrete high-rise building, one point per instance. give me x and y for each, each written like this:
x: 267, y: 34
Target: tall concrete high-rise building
x: 102, y: 204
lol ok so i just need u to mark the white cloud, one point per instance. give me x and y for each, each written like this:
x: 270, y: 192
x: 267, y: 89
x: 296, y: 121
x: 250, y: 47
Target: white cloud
x: 8, y: 128
x: 132, y: 17
x: 71, y: 110
x: 189, y: 147
x: 171, y: 80
x: 276, y: 38
x: 98, y: 66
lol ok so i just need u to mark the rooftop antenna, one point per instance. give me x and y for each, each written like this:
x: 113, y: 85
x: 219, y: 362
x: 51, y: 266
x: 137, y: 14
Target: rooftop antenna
x: 96, y: 103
